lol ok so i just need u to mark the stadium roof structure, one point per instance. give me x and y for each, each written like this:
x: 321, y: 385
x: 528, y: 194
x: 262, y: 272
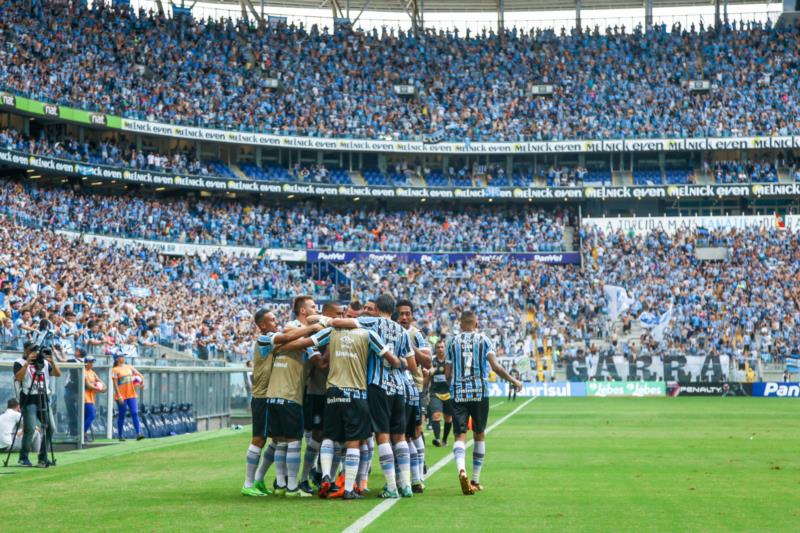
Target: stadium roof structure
x: 475, y: 5
x: 415, y: 9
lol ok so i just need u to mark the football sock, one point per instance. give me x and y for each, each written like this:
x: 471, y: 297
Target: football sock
x: 351, y: 463
x: 437, y: 428
x: 403, y: 459
x: 458, y: 454
x: 280, y: 464
x: 478, y: 453
x: 266, y: 461
x: 386, y: 457
x: 292, y: 464
x: 326, y: 457
x: 309, y: 458
x: 253, y: 455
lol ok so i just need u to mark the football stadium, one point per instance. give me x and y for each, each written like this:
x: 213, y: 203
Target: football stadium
x: 496, y: 265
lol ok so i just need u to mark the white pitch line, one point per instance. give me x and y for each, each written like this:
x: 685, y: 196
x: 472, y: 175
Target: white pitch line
x: 360, y: 524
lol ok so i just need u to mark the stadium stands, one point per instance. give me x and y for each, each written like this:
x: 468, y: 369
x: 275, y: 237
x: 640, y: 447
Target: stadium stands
x: 614, y: 78
x: 295, y: 227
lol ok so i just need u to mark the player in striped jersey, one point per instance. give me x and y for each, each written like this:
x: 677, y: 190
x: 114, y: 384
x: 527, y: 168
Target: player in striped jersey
x: 269, y: 341
x: 386, y: 394
x: 350, y: 354
x: 422, y: 356
x: 469, y: 356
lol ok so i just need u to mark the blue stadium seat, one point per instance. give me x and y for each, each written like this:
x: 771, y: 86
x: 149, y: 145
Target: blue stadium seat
x: 436, y: 179
x: 374, y: 177
x: 647, y: 177
x: 678, y: 177
x: 219, y: 168
x: 601, y: 177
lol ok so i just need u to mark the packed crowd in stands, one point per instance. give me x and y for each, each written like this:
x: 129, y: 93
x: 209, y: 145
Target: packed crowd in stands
x: 296, y: 227
x: 742, y: 172
x: 105, y: 152
x: 340, y: 83
x: 128, y: 298
x: 746, y: 306
x: 135, y: 300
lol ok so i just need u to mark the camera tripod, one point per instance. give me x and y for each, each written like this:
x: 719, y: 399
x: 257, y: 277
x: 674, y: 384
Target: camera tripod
x: 42, y: 412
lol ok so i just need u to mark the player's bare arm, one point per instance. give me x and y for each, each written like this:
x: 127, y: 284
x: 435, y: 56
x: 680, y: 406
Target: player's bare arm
x: 502, y: 372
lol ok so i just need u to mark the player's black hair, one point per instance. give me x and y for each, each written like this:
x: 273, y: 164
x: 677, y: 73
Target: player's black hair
x: 469, y: 317
x: 260, y: 314
x: 329, y: 306
x: 355, y: 305
x: 385, y: 303
x: 404, y: 303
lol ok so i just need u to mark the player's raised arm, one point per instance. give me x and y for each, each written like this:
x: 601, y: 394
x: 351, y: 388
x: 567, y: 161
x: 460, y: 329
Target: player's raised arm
x: 502, y: 372
x: 282, y: 339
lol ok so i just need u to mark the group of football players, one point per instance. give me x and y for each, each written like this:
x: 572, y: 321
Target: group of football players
x: 352, y: 380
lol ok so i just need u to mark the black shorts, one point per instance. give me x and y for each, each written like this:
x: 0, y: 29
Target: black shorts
x: 285, y: 419
x: 440, y: 406
x: 413, y: 420
x: 346, y: 415
x: 387, y: 411
x: 258, y: 406
x: 478, y: 410
x: 313, y: 411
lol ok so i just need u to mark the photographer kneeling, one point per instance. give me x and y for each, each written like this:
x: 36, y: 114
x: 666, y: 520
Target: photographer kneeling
x: 32, y: 372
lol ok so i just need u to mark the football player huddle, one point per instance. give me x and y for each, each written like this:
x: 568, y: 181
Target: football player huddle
x: 350, y: 381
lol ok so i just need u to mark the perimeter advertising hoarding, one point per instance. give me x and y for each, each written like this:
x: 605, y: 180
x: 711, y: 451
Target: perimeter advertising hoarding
x: 553, y: 258
x: 64, y: 167
x: 625, y: 388
x: 772, y: 389
x: 554, y: 389
x: 707, y: 389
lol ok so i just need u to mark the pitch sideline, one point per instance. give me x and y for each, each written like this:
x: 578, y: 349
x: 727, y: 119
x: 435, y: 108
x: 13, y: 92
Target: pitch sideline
x: 375, y: 513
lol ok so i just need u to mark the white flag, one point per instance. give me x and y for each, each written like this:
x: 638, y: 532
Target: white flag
x: 661, y: 327
x: 648, y: 320
x: 617, y: 299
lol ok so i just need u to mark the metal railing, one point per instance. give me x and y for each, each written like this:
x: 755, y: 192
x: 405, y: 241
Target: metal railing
x: 214, y: 393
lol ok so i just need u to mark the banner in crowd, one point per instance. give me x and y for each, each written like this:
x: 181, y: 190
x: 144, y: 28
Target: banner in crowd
x: 548, y: 389
x: 627, y: 388
x: 61, y: 167
x: 708, y: 389
x: 785, y: 142
x: 772, y: 389
x: 671, y: 225
x: 553, y: 258
x: 177, y: 248
x: 679, y: 368
x: 465, y: 147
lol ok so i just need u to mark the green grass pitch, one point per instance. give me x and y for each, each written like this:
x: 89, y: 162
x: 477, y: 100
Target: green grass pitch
x: 572, y: 464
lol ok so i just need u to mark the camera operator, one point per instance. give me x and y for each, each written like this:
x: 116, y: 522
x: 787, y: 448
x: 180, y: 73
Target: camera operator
x: 32, y: 372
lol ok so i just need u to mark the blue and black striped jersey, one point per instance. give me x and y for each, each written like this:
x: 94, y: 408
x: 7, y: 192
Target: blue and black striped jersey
x: 468, y: 355
x: 392, y: 334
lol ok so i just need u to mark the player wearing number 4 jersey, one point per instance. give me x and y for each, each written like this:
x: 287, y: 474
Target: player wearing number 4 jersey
x: 469, y: 356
